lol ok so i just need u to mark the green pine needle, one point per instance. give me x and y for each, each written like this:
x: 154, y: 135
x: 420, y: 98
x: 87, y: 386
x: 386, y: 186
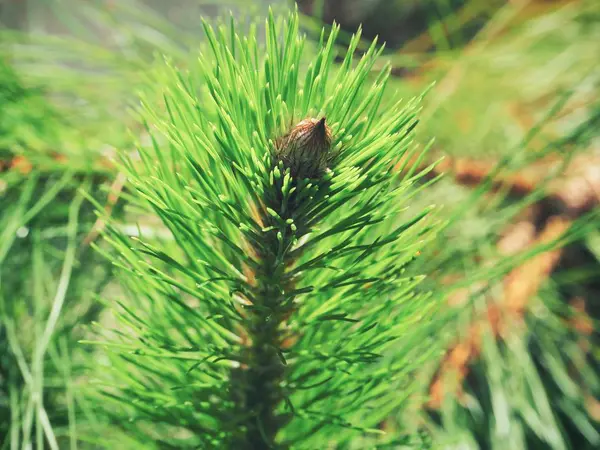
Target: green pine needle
x: 264, y: 322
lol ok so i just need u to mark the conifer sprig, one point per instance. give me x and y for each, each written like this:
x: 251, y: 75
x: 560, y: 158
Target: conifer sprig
x: 264, y: 322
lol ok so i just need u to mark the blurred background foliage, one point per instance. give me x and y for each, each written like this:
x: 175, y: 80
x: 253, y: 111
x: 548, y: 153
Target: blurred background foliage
x: 515, y: 113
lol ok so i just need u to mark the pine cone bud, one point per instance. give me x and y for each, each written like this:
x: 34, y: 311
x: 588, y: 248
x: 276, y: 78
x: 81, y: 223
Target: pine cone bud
x: 305, y: 150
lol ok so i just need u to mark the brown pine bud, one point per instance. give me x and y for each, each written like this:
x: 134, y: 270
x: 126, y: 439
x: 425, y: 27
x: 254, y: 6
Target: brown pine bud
x: 305, y: 150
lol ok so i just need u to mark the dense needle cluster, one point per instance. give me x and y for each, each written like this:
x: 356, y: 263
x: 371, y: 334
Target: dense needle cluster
x: 289, y: 274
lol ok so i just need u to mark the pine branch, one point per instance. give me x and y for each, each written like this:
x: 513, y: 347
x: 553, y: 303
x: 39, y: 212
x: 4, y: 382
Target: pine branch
x: 288, y: 275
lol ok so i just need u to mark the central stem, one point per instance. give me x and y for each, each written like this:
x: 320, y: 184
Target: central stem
x: 260, y: 379
x: 300, y: 155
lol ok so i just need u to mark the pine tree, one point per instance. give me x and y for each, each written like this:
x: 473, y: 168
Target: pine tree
x: 262, y: 321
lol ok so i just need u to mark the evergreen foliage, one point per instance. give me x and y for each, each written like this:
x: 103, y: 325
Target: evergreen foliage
x: 262, y: 324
